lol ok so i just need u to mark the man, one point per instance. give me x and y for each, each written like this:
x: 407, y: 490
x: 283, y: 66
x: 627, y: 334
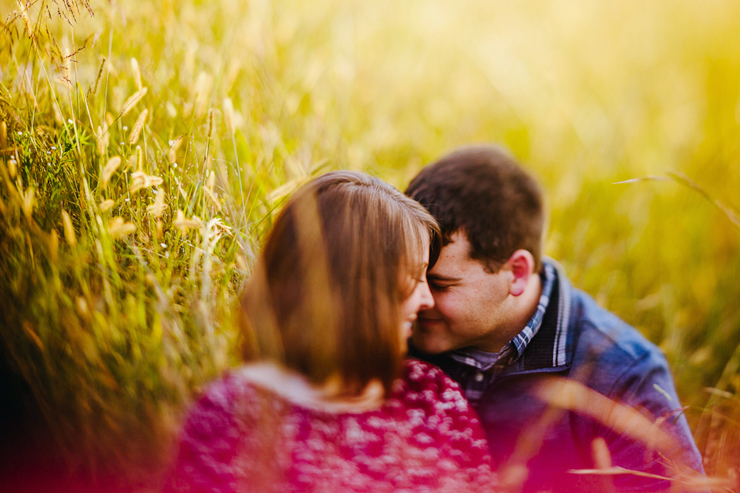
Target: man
x: 506, y: 322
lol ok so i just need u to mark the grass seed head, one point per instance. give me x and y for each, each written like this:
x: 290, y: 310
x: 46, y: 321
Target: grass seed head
x: 141, y: 181
x: 139, y: 159
x: 129, y: 104
x: 69, y: 231
x: 213, y: 197
x: 12, y: 167
x: 52, y: 242
x: 170, y: 109
x: 138, y: 127
x: 136, y: 73
x: 172, y: 154
x: 29, y: 200
x: 94, y: 87
x: 106, y: 205
x: 159, y: 206
x: 229, y: 118
x: 202, y: 90
x: 82, y: 308
x: 241, y: 263
x: 26, y: 19
x: 118, y: 228
x: 109, y: 169
x: 184, y: 224
x: 3, y: 135
x: 103, y: 138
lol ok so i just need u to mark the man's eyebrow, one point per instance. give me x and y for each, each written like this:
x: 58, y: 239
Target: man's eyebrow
x: 439, y: 277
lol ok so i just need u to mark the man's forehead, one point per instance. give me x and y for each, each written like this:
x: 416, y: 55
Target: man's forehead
x: 458, y: 248
x: 454, y: 259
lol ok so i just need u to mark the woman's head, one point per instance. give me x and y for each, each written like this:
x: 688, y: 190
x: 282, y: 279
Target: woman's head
x: 337, y: 282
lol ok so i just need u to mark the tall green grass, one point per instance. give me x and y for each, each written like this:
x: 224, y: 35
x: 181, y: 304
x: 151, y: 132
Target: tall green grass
x: 116, y: 316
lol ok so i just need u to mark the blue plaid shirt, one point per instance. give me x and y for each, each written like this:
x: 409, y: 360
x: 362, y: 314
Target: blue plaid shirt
x: 487, y: 366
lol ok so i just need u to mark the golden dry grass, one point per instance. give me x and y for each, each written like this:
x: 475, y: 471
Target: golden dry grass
x: 144, y: 148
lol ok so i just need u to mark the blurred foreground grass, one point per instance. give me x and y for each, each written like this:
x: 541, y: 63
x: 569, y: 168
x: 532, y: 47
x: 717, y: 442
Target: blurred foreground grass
x: 143, y: 149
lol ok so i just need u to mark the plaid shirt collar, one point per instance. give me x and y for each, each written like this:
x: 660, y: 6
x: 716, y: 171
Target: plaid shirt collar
x: 513, y: 350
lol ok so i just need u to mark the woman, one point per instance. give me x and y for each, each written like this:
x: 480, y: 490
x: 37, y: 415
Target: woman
x: 325, y: 401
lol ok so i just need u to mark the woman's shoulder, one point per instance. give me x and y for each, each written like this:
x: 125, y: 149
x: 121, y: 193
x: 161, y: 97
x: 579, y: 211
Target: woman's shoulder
x: 420, y: 375
x: 225, y: 392
x: 439, y: 416
x: 423, y: 383
x: 218, y: 408
x: 210, y: 435
x: 234, y: 401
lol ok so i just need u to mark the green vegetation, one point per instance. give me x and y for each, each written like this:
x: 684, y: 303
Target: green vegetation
x: 144, y: 148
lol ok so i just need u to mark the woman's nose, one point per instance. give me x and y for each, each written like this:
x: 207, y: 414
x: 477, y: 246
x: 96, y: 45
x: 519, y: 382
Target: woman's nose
x: 427, y: 300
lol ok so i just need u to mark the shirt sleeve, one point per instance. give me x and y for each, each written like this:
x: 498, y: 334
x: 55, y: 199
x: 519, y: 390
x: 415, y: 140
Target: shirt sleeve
x: 647, y: 386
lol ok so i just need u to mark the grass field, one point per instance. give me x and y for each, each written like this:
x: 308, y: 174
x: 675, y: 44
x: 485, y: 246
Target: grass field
x: 145, y: 145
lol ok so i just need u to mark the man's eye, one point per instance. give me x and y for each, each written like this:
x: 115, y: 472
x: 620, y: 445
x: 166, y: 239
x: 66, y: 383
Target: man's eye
x: 437, y: 287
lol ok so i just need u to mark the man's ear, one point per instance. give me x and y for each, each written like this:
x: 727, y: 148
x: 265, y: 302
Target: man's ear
x: 521, y: 265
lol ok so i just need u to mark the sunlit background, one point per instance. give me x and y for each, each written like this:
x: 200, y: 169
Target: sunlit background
x: 114, y: 323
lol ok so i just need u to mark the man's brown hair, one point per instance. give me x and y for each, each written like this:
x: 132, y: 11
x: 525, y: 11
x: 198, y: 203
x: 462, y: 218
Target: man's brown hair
x: 325, y: 298
x: 484, y: 192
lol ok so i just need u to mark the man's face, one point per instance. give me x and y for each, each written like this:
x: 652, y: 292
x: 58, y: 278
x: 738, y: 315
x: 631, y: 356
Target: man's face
x: 470, y: 303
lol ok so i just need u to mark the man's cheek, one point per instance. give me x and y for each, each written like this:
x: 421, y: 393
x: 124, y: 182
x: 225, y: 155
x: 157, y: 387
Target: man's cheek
x: 447, y: 308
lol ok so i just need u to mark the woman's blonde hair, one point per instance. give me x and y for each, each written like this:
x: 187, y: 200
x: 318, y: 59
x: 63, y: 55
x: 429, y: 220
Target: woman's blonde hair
x: 327, y: 290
